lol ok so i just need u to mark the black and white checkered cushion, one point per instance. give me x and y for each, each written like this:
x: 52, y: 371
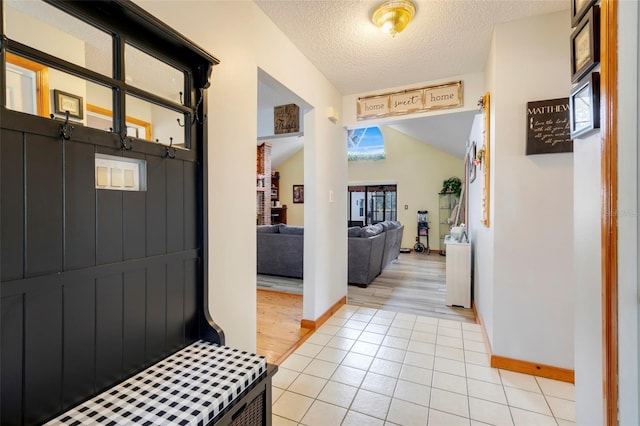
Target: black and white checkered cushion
x: 188, y: 388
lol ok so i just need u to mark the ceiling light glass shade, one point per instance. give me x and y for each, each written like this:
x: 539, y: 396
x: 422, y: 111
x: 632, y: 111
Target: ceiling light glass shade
x: 393, y: 16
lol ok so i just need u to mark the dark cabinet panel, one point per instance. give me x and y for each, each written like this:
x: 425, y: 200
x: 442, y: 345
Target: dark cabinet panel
x: 79, y: 338
x: 134, y: 355
x: 44, y: 205
x: 12, y: 205
x: 175, y: 304
x: 11, y: 314
x: 42, y: 350
x: 156, y: 311
x: 134, y: 213
x: 80, y: 206
x: 191, y: 314
x: 175, y: 205
x: 156, y: 206
x: 190, y: 206
x: 109, y: 227
x: 108, y: 330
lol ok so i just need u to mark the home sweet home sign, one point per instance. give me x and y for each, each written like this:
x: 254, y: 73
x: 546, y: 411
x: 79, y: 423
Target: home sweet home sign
x: 448, y: 95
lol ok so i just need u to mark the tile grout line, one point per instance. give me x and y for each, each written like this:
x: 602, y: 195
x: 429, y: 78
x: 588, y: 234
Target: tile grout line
x: 406, y: 351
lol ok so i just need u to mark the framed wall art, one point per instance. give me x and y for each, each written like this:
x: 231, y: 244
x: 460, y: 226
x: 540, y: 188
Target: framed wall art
x: 578, y: 9
x: 584, y: 107
x: 298, y: 193
x: 471, y: 161
x: 585, y: 45
x: 64, y: 102
x: 483, y: 154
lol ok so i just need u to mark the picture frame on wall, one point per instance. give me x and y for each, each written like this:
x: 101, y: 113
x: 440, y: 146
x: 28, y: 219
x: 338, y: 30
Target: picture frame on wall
x: 578, y: 9
x: 584, y: 107
x: 471, y: 161
x: 64, y: 102
x: 585, y: 44
x: 298, y: 193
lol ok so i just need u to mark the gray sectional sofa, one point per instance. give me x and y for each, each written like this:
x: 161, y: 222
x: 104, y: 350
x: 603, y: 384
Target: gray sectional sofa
x: 280, y: 250
x: 371, y: 249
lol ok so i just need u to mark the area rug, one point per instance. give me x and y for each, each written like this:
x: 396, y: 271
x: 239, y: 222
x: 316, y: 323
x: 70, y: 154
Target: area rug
x: 282, y: 284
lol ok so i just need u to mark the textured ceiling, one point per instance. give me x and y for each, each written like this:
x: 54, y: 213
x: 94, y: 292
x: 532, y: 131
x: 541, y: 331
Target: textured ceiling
x: 446, y: 38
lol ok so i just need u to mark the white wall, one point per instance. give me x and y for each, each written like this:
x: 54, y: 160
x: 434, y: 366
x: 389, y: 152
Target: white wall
x: 481, y: 239
x: 587, y: 269
x: 532, y: 298
x: 628, y: 285
x: 243, y: 38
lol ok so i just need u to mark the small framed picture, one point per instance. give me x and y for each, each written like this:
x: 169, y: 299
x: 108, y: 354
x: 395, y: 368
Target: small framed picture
x: 585, y: 45
x: 584, y: 107
x: 578, y: 9
x: 298, y: 193
x: 471, y: 160
x: 64, y: 102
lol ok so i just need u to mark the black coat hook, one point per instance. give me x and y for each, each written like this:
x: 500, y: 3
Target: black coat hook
x: 170, y: 151
x: 196, y: 117
x: 123, y: 142
x: 66, y: 129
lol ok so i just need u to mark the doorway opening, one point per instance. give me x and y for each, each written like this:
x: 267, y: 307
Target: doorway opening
x: 370, y: 204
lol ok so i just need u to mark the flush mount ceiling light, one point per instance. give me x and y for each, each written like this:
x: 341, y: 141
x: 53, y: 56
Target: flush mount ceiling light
x: 393, y: 16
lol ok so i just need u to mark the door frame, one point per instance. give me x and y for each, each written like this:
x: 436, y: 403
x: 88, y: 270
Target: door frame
x: 609, y: 225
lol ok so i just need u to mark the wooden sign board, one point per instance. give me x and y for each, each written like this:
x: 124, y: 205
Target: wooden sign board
x: 448, y: 95
x: 286, y: 119
x: 548, y: 127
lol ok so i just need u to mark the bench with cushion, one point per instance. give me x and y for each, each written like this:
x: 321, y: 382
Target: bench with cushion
x: 202, y: 384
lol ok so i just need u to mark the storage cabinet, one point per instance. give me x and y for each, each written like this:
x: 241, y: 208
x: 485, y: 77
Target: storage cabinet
x: 458, y: 273
x: 275, y: 185
x: 278, y: 215
x: 446, y: 204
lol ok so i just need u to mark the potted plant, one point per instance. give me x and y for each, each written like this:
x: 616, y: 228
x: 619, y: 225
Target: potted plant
x: 453, y: 185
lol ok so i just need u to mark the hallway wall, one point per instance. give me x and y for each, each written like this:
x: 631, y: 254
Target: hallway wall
x: 245, y: 39
x: 528, y: 304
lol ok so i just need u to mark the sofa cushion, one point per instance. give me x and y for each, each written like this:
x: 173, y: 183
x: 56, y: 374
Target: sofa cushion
x: 371, y: 230
x: 386, y: 225
x: 353, y: 231
x: 269, y: 229
x: 291, y: 230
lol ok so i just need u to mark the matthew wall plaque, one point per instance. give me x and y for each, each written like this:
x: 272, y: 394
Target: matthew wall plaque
x: 548, y: 127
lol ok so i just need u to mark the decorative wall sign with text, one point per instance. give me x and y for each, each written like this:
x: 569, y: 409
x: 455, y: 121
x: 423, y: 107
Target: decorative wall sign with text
x: 548, y: 127
x: 427, y: 98
x: 286, y: 119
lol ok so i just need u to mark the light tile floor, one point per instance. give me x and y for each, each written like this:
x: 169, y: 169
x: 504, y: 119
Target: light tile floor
x: 373, y: 367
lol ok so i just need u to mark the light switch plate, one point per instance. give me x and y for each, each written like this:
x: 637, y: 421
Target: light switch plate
x: 120, y: 173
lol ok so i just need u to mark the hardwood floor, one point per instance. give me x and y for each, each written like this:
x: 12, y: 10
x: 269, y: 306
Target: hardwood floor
x: 414, y: 283
x: 278, y: 326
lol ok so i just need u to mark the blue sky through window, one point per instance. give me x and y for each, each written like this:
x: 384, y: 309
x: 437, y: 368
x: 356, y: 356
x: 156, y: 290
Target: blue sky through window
x: 365, y: 144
